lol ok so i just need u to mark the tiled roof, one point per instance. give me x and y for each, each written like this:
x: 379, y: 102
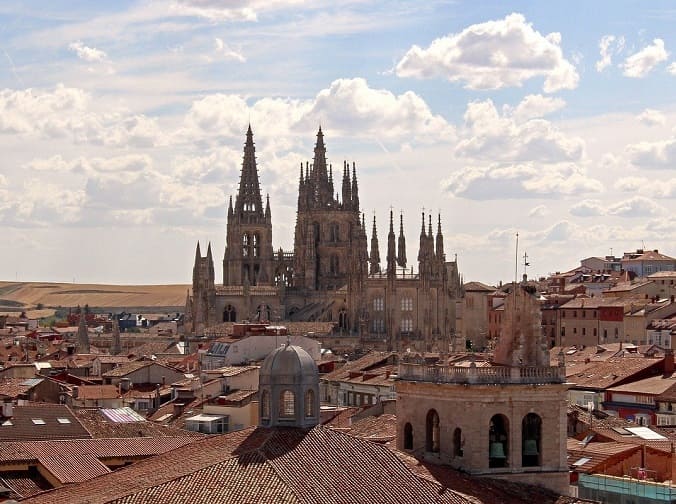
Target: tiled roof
x: 602, y: 375
x: 112, y: 359
x: 477, y: 286
x: 23, y: 427
x: 13, y: 387
x: 368, y: 361
x: 127, y: 368
x: 78, y: 460
x: 380, y: 429
x: 93, y: 392
x: 154, y: 348
x: 654, y: 385
x: 24, y: 483
x: 596, y: 455
x: 229, y: 371
x: 265, y: 465
x: 100, y: 427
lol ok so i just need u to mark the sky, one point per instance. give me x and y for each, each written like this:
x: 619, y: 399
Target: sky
x: 122, y: 126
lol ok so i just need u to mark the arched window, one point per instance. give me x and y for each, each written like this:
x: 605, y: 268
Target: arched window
x: 498, y: 437
x: 287, y: 404
x: 263, y: 313
x: 531, y: 431
x: 457, y: 442
x: 334, y: 266
x: 432, y: 432
x: 265, y: 404
x: 310, y: 403
x: 229, y: 314
x: 246, y: 245
x: 408, y: 436
x: 256, y: 245
x: 334, y: 232
x: 343, y: 320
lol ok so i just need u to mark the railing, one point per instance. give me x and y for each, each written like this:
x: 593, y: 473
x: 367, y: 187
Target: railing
x: 486, y: 375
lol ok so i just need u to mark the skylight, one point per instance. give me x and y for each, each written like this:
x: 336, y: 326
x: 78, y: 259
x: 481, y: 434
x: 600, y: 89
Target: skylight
x: 581, y: 461
x: 38, y: 421
x: 63, y: 420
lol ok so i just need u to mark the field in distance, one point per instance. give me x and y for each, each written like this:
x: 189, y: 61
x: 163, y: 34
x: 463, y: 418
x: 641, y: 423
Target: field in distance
x: 17, y: 296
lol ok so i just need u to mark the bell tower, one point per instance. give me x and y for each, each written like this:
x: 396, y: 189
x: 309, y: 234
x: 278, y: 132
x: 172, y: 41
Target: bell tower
x: 248, y: 250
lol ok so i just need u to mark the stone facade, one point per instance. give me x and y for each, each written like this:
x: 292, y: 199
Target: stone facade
x: 503, y: 418
x: 329, y: 275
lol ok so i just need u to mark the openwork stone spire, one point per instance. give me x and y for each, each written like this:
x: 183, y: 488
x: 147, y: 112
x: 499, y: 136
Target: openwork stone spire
x: 249, y: 195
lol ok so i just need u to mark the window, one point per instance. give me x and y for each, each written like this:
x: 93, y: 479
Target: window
x: 334, y: 232
x: 229, y: 314
x: 584, y: 331
x: 432, y: 432
x: 378, y: 326
x: 408, y: 436
x: 594, y: 331
x: 265, y: 404
x: 457, y: 442
x: 310, y: 403
x: 406, y: 304
x: 287, y: 405
x: 406, y: 325
x: 256, y: 245
x: 245, y: 245
x: 378, y: 304
x: 334, y: 265
x: 498, y: 441
x: 531, y: 431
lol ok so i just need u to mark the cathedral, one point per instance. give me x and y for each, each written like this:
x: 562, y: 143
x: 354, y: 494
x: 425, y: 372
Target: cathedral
x: 331, y: 275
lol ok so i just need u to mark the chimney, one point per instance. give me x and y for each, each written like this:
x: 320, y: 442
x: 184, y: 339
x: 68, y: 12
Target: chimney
x: 7, y: 409
x: 178, y: 409
x: 668, y: 361
x: 75, y: 392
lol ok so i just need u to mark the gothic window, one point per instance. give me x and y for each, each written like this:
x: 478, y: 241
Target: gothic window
x: 406, y: 325
x: 334, y: 265
x: 334, y: 232
x: 378, y: 304
x: 457, y: 442
x: 408, y: 436
x: 229, y: 314
x: 265, y: 404
x: 498, y: 441
x: 406, y: 304
x: 287, y: 404
x: 378, y: 325
x: 432, y: 432
x: 256, y: 245
x: 531, y: 432
x: 263, y: 312
x: 246, y: 245
x: 310, y: 403
x: 343, y: 321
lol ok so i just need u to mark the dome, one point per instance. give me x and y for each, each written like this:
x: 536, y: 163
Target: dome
x: 289, y: 364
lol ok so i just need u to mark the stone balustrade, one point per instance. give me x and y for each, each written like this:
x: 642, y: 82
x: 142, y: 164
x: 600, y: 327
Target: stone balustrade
x: 481, y: 375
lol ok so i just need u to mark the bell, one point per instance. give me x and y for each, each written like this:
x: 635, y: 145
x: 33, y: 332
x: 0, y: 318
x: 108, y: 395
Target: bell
x: 497, y: 451
x: 530, y: 447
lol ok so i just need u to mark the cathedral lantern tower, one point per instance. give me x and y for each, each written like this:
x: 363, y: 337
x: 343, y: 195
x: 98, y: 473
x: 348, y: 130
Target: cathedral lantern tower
x: 248, y: 251
x: 329, y: 242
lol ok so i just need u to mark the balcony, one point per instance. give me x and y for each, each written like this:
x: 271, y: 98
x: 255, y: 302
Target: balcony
x: 432, y: 373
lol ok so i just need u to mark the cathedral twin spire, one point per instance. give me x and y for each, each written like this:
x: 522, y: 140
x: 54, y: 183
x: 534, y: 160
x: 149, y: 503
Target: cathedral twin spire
x: 249, y: 194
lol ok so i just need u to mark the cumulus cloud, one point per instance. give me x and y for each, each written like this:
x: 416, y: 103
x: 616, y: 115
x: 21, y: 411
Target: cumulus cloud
x: 65, y: 111
x: 587, y: 208
x: 647, y: 187
x: 89, y: 54
x: 638, y: 206
x: 641, y: 63
x: 224, y: 51
x: 672, y: 68
x: 660, y: 154
x: 536, y: 106
x: 493, y: 55
x: 608, y: 45
x: 344, y: 104
x: 519, y: 181
x: 652, y: 117
x: 492, y: 136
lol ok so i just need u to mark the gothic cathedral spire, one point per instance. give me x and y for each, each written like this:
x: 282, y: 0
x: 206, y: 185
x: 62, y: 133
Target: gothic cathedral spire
x: 401, y: 245
x: 374, y: 259
x: 391, y: 249
x: 249, y: 195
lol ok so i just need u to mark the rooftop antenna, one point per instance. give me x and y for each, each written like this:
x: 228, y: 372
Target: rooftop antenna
x: 525, y: 262
x: 516, y: 259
